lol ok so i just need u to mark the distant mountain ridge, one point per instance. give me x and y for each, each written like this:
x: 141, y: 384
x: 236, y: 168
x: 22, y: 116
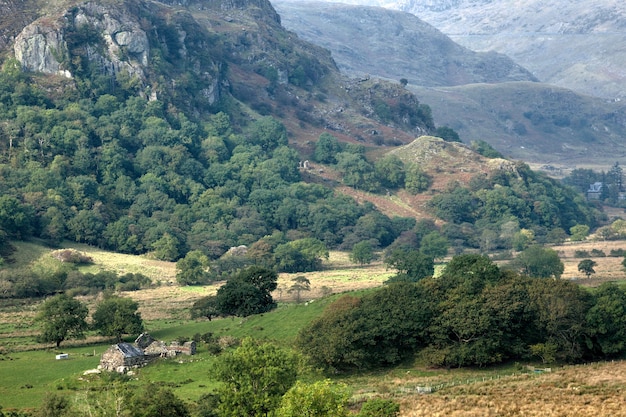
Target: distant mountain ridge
x: 535, y: 122
x: 394, y: 45
x: 572, y: 44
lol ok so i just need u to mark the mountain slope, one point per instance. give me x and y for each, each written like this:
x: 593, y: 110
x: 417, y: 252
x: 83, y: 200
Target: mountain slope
x: 576, y: 45
x: 535, y: 122
x: 571, y: 44
x: 394, y: 45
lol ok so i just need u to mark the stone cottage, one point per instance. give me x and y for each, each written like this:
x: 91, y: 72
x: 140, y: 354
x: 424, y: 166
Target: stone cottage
x: 122, y: 357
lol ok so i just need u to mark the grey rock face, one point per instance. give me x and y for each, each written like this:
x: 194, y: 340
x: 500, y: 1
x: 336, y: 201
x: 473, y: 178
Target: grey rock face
x: 39, y: 47
x: 42, y: 45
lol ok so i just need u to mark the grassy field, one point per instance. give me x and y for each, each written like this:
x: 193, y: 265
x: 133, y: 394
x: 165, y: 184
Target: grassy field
x: 29, y: 370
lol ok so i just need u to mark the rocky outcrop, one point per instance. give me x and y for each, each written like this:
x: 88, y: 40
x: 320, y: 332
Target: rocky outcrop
x: 119, y: 43
x: 40, y: 47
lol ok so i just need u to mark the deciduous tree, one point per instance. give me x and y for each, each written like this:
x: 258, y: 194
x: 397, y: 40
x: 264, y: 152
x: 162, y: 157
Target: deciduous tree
x: 539, y: 262
x: 319, y: 399
x: 362, y: 253
x: 116, y: 316
x: 300, y: 283
x: 193, y: 269
x: 62, y: 317
x: 254, y: 377
x: 586, y: 267
x: 248, y: 292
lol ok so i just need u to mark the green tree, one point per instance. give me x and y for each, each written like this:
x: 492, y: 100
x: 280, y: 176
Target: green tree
x: 154, y: 400
x: 411, y: 265
x: 390, y: 171
x: 539, y: 262
x: 248, y: 292
x: 357, y: 172
x: 434, y: 245
x: 416, y: 180
x: 485, y: 149
x: 192, y: 269
x: 579, y: 232
x: 379, y: 329
x: 560, y: 308
x: 379, y: 407
x: 302, y: 255
x: 116, y: 316
x: 300, y: 283
x: 326, y: 149
x: 606, y: 320
x: 62, y: 317
x: 447, y: 133
x: 166, y: 248
x: 586, y: 267
x: 319, y: 399
x: 15, y: 218
x: 362, y: 253
x: 254, y: 378
x: 205, y: 307
x: 268, y: 133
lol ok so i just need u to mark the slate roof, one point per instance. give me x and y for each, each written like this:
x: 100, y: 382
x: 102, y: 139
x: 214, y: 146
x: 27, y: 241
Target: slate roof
x: 128, y: 350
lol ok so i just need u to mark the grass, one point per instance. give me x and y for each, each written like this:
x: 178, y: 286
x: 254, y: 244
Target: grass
x: 25, y: 376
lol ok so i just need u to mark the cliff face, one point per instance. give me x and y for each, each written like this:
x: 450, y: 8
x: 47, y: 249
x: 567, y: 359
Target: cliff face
x: 118, y: 43
x: 120, y: 39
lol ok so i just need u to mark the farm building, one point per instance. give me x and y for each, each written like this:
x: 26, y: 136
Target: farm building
x: 121, y: 357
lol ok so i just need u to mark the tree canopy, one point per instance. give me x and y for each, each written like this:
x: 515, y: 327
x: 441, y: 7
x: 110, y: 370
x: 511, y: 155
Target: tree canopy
x: 254, y: 377
x: 472, y: 314
x: 117, y: 316
x: 248, y: 292
x: 62, y: 317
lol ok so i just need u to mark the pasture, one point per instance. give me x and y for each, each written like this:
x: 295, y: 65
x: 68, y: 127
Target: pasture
x: 28, y: 370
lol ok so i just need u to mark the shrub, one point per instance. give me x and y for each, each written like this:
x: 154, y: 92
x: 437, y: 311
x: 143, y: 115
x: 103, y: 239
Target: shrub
x: 72, y: 256
x: 581, y: 254
x: 379, y: 407
x: 598, y: 253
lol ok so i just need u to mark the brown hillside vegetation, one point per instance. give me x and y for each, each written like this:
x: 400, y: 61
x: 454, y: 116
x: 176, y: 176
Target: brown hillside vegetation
x: 445, y: 162
x: 586, y: 390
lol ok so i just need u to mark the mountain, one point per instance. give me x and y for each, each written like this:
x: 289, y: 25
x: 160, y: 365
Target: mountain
x: 142, y: 126
x: 534, y: 122
x: 394, y: 45
x: 571, y: 44
x: 181, y: 132
x: 199, y: 56
x: 475, y: 94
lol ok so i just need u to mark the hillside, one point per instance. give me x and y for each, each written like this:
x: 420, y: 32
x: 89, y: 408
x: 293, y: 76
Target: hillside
x: 571, y: 44
x: 394, y: 45
x: 534, y: 122
x: 475, y: 94
x: 130, y: 125
x: 575, y: 45
x: 143, y: 127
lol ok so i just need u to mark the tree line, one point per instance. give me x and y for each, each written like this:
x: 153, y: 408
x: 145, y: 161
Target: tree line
x: 473, y: 314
